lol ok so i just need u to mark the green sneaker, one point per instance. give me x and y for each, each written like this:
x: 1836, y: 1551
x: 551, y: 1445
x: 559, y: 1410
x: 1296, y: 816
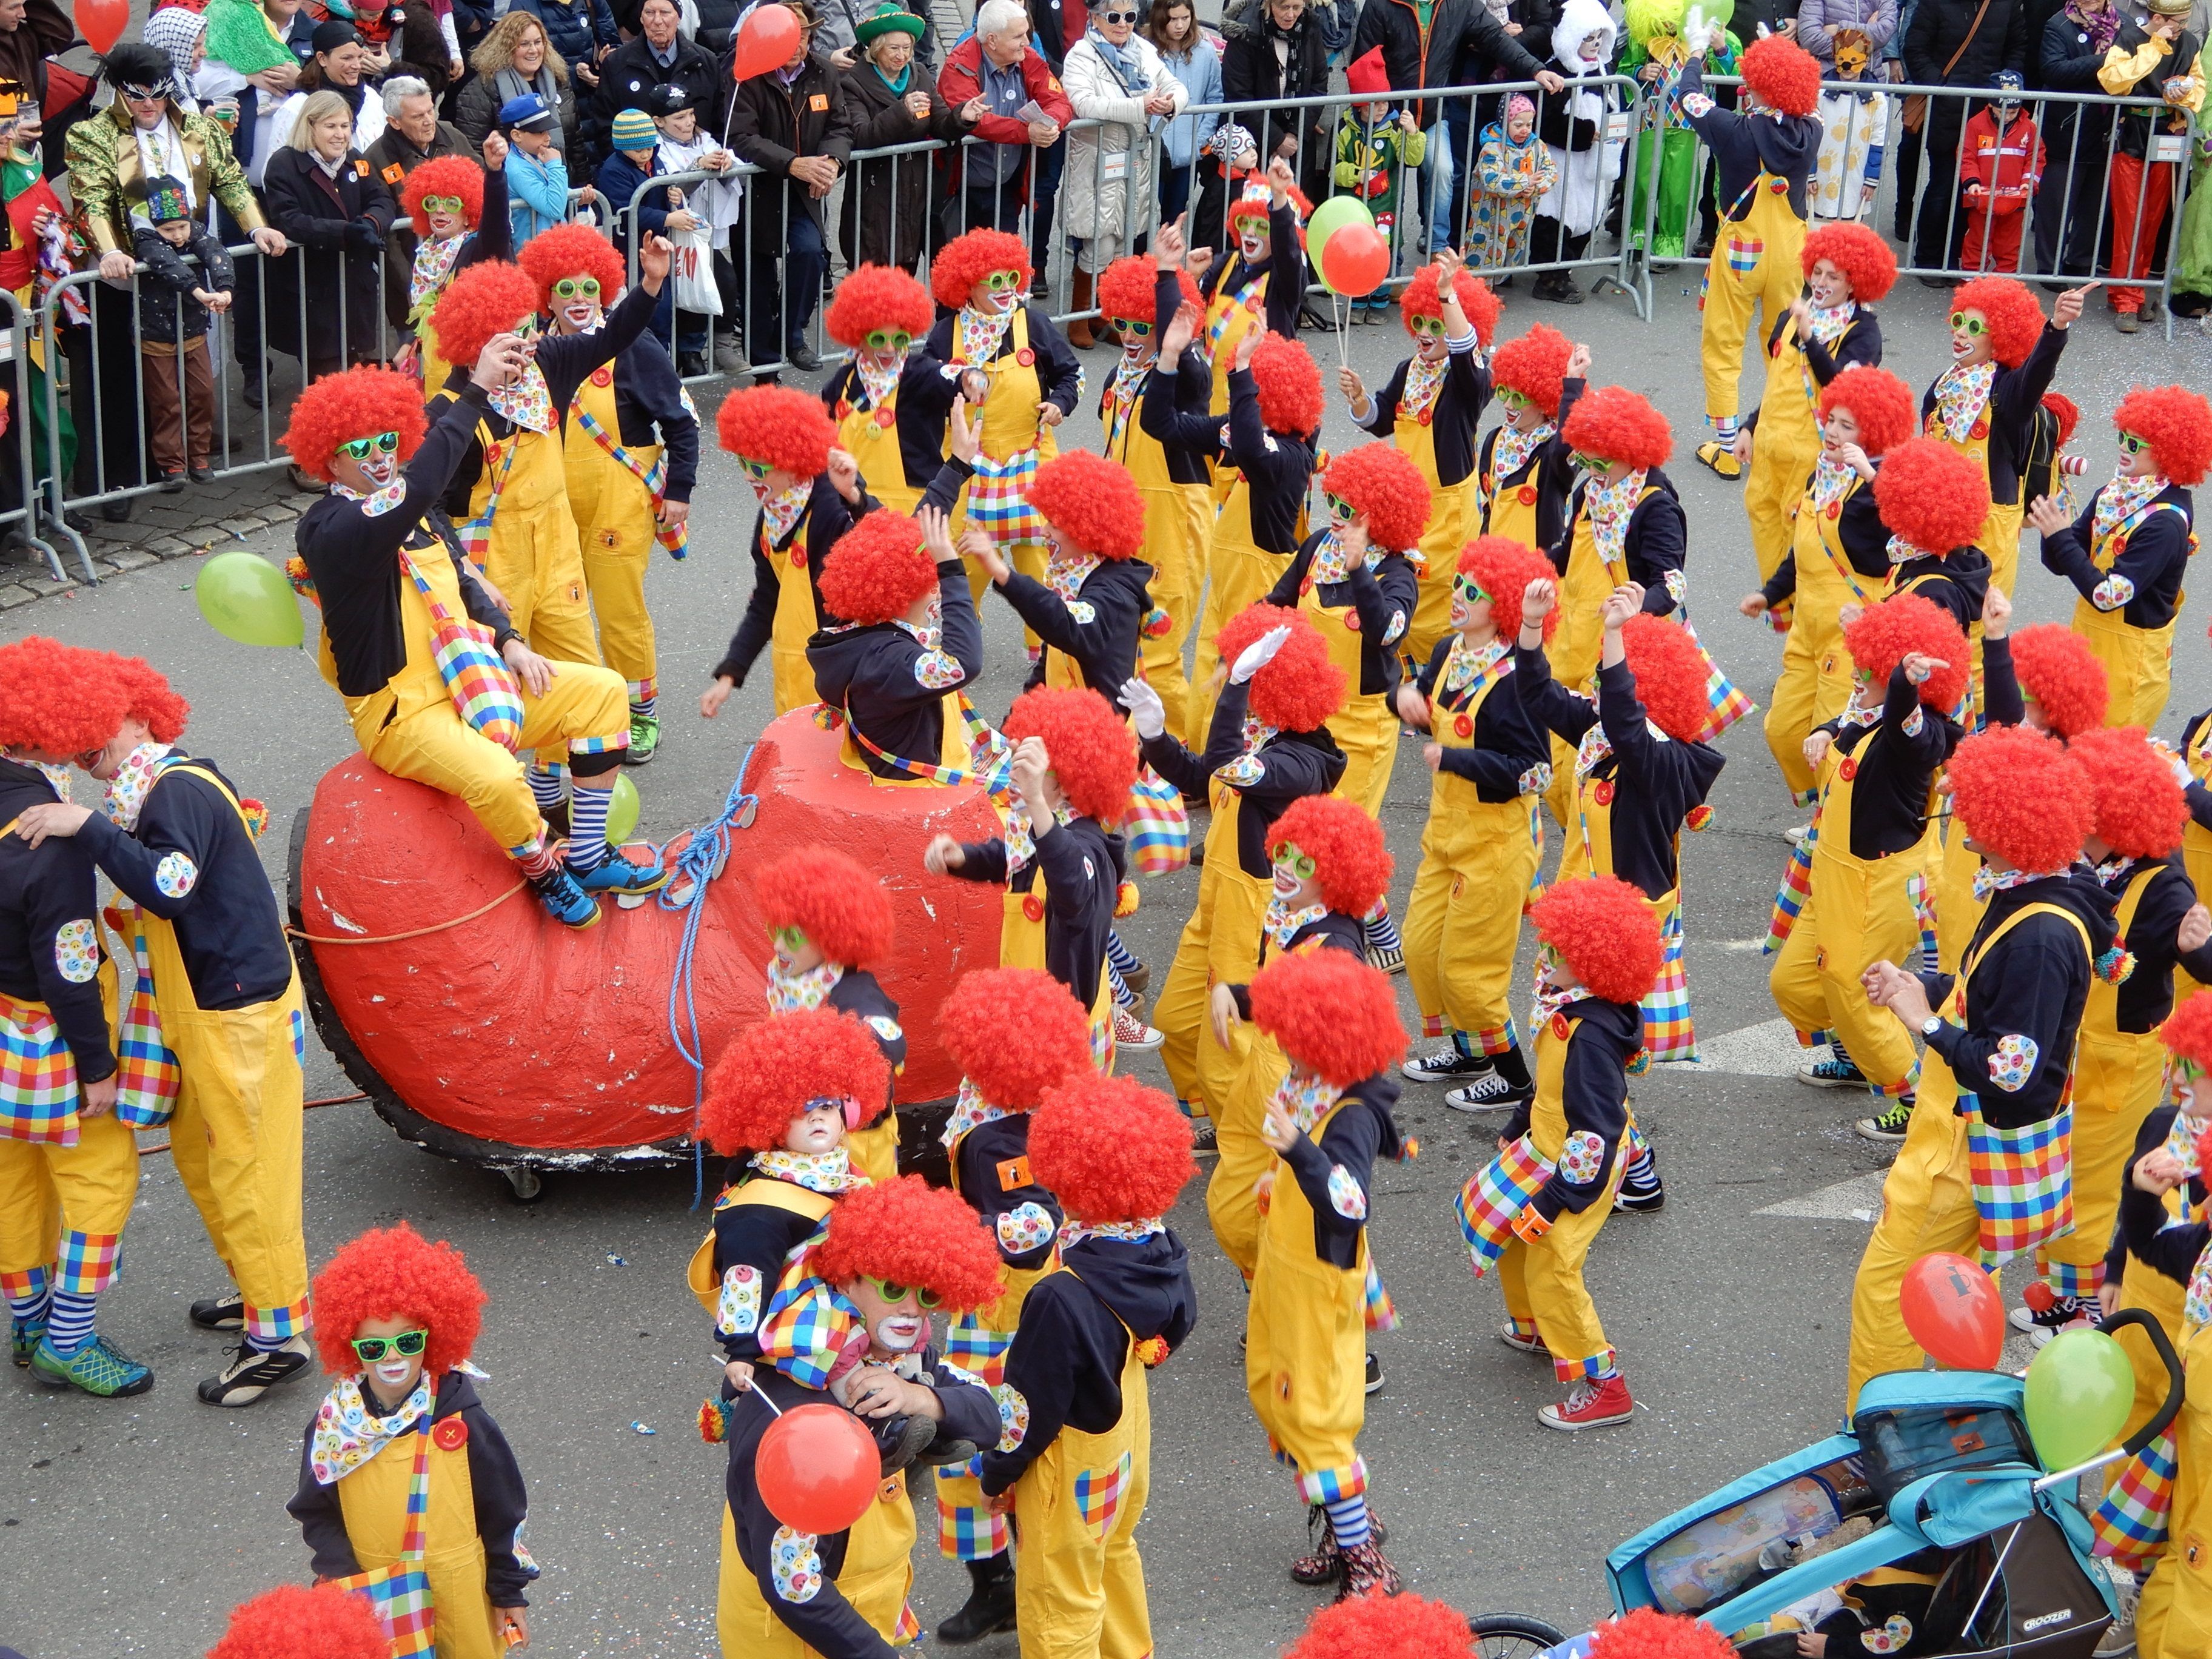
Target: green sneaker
x: 23, y: 1340
x: 95, y: 1368
x: 644, y: 738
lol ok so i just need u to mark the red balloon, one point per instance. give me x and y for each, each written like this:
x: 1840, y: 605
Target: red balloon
x: 1355, y: 260
x: 817, y: 1468
x: 765, y: 41
x: 1952, y: 1309
x: 101, y: 22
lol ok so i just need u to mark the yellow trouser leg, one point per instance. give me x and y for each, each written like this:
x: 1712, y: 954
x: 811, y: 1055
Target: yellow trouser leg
x: 1177, y: 522
x: 1082, y: 1597
x: 1481, y: 930
x: 1557, y: 1300
x: 1728, y: 302
x: 2145, y: 1287
x: 1367, y: 731
x: 1862, y: 922
x: 1790, y: 710
x: 1181, y: 1014
x: 616, y: 576
x: 1422, y: 931
x: 1772, y: 487
x: 1794, y: 981
x: 2118, y: 1077
x: 47, y: 1192
x: 874, y: 1149
x: 1957, y: 912
x: 1232, y: 957
x: 30, y: 1213
x: 1927, y: 1204
x: 1232, y: 1204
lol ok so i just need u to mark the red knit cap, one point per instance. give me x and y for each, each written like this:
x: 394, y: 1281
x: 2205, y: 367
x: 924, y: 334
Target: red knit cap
x: 1109, y: 1149
x: 1014, y: 1032
x: 876, y: 296
x: 1535, y: 366
x: 778, y: 424
x: 1502, y: 567
x: 1647, y: 1633
x: 1128, y: 289
x: 2069, y: 413
x: 492, y: 297
x: 1381, y: 482
x: 152, y: 699
x: 778, y: 1068
x: 2177, y: 423
x: 1405, y: 1626
x: 1880, y: 403
x: 1351, y: 860
x: 2060, y: 675
x: 1093, y: 502
x: 2187, y: 1033
x: 1611, y: 424
x: 839, y: 904
x: 2022, y: 798
x: 296, y: 1622
x: 1424, y: 297
x: 58, y: 699
x: 1671, y: 675
x: 1884, y: 633
x: 2009, y: 307
x: 967, y: 259
x: 1090, y: 748
x: 573, y: 250
x: 1856, y: 251
x: 1782, y: 75
x: 359, y: 403
x: 1331, y: 1013
x: 2140, y: 806
x: 1605, y: 932
x: 394, y: 1272
x: 876, y: 570
x: 1300, y: 688
x: 908, y: 1232
x: 1931, y: 496
x: 444, y: 175
x: 1288, y: 382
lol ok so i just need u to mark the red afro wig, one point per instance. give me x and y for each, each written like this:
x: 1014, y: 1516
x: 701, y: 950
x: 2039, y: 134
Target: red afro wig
x: 780, y: 424
x: 2068, y: 413
x: 1109, y: 1149
x: 1331, y: 1013
x: 2187, y: 1033
x: 2022, y: 798
x: 1091, y: 502
x: 1092, y: 751
x: 152, y: 698
x: 908, y: 1232
x: 1884, y: 633
x: 1014, y: 1033
x: 1424, y: 297
x: 876, y: 570
x: 1856, y: 251
x: 444, y: 175
x: 1381, y: 482
x: 1128, y: 289
x: 394, y: 1272
x: 1535, y: 366
x: 876, y: 296
x: 1647, y: 1633
x: 2140, y: 806
x: 1882, y: 405
x: 575, y: 250
x: 967, y: 259
x: 1605, y: 932
x: 482, y: 301
x: 59, y: 698
x: 2009, y: 307
x: 1611, y: 424
x: 1782, y: 75
x: 1301, y: 688
x: 2176, y: 422
x: 1502, y: 568
x: 1351, y: 860
x: 359, y: 403
x: 838, y: 905
x: 773, y: 1071
x: 1931, y: 496
x: 1671, y: 675
x: 2061, y: 676
x: 295, y: 1622
x: 1288, y: 380
x: 1405, y: 1626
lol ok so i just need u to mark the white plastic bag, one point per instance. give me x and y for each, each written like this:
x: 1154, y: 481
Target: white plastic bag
x: 691, y: 262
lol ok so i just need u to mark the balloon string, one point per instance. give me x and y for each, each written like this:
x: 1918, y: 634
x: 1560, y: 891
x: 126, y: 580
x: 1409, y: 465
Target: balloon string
x: 1342, y: 360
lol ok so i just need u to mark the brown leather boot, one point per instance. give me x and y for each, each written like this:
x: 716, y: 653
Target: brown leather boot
x: 1079, y: 328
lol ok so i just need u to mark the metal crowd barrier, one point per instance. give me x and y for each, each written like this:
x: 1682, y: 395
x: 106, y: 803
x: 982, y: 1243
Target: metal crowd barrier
x: 21, y: 457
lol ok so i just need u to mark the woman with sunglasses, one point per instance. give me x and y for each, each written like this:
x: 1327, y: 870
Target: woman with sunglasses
x: 1524, y: 472
x: 891, y: 398
x: 459, y: 211
x: 2127, y: 551
x: 1115, y: 79
x: 402, y: 1467
x: 631, y: 446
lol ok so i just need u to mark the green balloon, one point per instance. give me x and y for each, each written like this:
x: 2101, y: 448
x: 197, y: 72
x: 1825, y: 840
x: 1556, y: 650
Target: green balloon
x: 2080, y: 1387
x: 622, y: 811
x: 246, y: 599
x: 1331, y: 216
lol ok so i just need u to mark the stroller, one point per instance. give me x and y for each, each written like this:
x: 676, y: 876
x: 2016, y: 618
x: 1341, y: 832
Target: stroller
x: 1940, y: 1465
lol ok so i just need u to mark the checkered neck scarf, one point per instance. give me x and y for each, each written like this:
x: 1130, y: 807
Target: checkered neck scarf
x: 1513, y: 448
x: 1282, y: 925
x: 1466, y: 664
x: 2121, y: 499
x: 783, y: 511
x: 1610, y: 506
x: 1989, y: 883
x: 789, y: 992
x: 1961, y: 394
x: 1307, y: 1099
x: 1903, y: 552
x: 977, y: 334
x: 1021, y: 839
x: 1550, y: 1000
x: 347, y: 1433
x: 828, y: 1173
x: 1332, y: 560
x: 970, y: 1111
x: 1596, y: 746
x: 133, y: 781
x: 377, y: 503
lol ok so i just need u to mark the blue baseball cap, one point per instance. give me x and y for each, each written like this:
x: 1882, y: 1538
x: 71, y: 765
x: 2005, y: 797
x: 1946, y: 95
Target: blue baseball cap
x: 526, y: 113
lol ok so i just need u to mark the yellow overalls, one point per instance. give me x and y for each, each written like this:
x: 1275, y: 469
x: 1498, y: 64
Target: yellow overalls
x: 2138, y: 661
x: 616, y: 518
x: 532, y: 555
x: 1543, y: 1282
x: 1783, y: 450
x: 1755, y: 264
x: 1503, y: 509
x: 796, y: 619
x: 1305, y: 1349
x: 787, y: 1196
x: 877, y: 1571
x: 2174, y: 1618
x: 1928, y: 1198
x: 1951, y: 871
x: 373, y: 1500
x: 1075, y: 1546
x: 1451, y: 511
x: 1815, y: 682
x: 1575, y: 643
x: 1230, y: 316
x: 2143, y: 1286
x: 1239, y: 572
x: 2196, y: 842
x: 1011, y: 425
x: 1178, y: 530
x: 1857, y: 912
x: 1021, y: 944
x: 869, y: 432
x: 2000, y: 536
x: 1366, y: 728
x: 1219, y: 945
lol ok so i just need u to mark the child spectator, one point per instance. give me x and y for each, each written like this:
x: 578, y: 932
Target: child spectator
x: 536, y: 177
x: 1515, y: 172
x: 1848, y: 170
x: 1374, y: 152
x: 2000, y: 164
x: 172, y: 325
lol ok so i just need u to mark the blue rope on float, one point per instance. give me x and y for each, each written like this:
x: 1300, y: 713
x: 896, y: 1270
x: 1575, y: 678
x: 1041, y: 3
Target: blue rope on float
x: 686, y: 890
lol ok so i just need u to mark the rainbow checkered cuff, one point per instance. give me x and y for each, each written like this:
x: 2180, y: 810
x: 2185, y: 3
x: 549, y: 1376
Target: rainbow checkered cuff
x: 2068, y: 1279
x: 29, y: 1286
x: 89, y: 1263
x: 267, y: 1326
x: 1433, y: 1026
x: 599, y: 745
x: 1497, y: 1039
x: 644, y: 690
x: 1334, y: 1485
x: 1600, y: 1363
x: 969, y: 1535
x: 1897, y: 1091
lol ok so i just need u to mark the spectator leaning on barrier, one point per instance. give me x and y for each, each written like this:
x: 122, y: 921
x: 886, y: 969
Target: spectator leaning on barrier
x: 174, y: 300
x: 1194, y: 59
x: 658, y: 212
x: 998, y: 65
x: 711, y: 206
x: 1277, y: 56
x: 1954, y: 43
x: 658, y: 56
x: 322, y: 193
x: 339, y: 65
x: 516, y: 57
x: 1114, y: 76
x: 2071, y: 207
x: 2156, y: 61
x: 889, y: 102
x: 413, y: 134
x: 536, y: 174
x: 1530, y: 22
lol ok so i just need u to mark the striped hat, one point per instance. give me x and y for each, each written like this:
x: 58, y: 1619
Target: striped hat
x: 634, y: 130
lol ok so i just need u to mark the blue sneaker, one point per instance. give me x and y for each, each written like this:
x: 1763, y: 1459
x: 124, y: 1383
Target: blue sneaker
x: 564, y: 899
x: 617, y: 874
x: 95, y: 1368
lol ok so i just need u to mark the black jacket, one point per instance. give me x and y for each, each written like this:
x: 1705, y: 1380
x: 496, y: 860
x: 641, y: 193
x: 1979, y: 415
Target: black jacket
x: 2015, y: 397
x: 1455, y: 28
x: 1506, y: 741
x: 48, y: 892
x: 1478, y: 62
x: 166, y: 311
x: 1786, y: 147
x: 1362, y: 1130
x: 1276, y: 465
x: 1958, y: 580
x: 1452, y: 417
x: 1893, y: 764
x: 827, y: 518
x: 991, y: 1172
x: 629, y: 72
x: 2069, y: 61
x: 651, y: 407
x: 1382, y: 601
x: 1940, y: 27
x: 1099, y: 632
x: 1286, y: 253
x: 1593, y: 1097
x: 1083, y: 864
x: 338, y: 229
x: 758, y: 1235
x: 887, y: 201
x: 1250, y: 74
x: 923, y: 405
x: 2146, y: 996
x: 1552, y: 463
x: 2146, y: 1231
x: 771, y: 126
x: 1292, y: 765
x: 2144, y: 585
x: 1656, y: 541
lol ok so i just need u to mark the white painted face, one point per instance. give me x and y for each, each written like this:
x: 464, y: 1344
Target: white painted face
x: 1970, y: 343
x: 393, y: 1375
x: 1829, y: 285
x: 1297, y: 883
x: 896, y: 1325
x: 1253, y: 240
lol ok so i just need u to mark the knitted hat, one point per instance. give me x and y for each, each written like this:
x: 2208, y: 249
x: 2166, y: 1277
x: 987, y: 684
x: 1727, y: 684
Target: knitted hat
x: 454, y: 176
x: 1405, y: 1626
x: 1331, y: 1013
x: 1647, y: 1633
x: 2061, y: 676
x: 1931, y: 498
x: 634, y: 130
x: 484, y: 299
x: 1535, y: 366
x: 1090, y: 747
x: 876, y: 570
x: 1300, y: 688
x: 2140, y: 806
x: 570, y: 251
x: 1351, y: 860
x: 840, y: 905
x: 295, y: 1622
x: 1604, y: 930
x: 1384, y: 487
x: 394, y: 1272
x: 782, y: 425
x: 152, y: 699
x: 2177, y: 423
x: 1611, y: 424
x: 967, y: 259
x: 1128, y: 289
x: 2010, y: 309
x: 1881, y: 404
x: 332, y: 34
x: 1091, y: 502
x: 1671, y: 675
x: 2187, y: 1033
x: 908, y: 1232
x: 1014, y: 1032
x: 58, y: 699
x: 1109, y: 1149
x: 873, y: 297
x: 358, y: 403
x: 1856, y: 251
x: 1502, y: 568
x: 780, y: 1067
x: 1424, y: 297
x: 1904, y: 623
x: 1288, y: 382
x: 1782, y: 75
x: 2022, y: 798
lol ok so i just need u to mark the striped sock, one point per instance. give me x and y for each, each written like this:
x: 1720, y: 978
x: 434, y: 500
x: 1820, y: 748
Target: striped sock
x: 645, y: 709
x: 1347, y: 1519
x: 1124, y: 960
x: 1382, y: 932
x: 1724, y: 428
x: 587, y: 824
x: 1643, y: 1172
x: 29, y: 1306
x: 1123, y: 996
x: 536, y: 859
x: 545, y: 789
x: 69, y: 1325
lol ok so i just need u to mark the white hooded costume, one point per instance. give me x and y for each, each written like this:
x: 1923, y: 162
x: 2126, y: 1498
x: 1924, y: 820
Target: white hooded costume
x: 1581, y: 44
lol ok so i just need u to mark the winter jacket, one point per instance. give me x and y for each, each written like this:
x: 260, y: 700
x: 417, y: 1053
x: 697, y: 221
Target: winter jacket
x: 887, y: 201
x: 771, y: 126
x: 631, y: 70
x: 578, y: 32
x: 1818, y: 19
x: 1940, y: 27
x: 1092, y: 203
x: 331, y: 258
x: 1199, y: 71
x: 962, y: 78
x: 1250, y: 74
x: 1414, y: 61
x: 166, y: 311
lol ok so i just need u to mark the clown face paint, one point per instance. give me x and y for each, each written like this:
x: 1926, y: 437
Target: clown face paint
x: 893, y: 1314
x: 392, y: 1374
x: 1970, y: 338
x: 1830, y: 286
x: 1296, y: 882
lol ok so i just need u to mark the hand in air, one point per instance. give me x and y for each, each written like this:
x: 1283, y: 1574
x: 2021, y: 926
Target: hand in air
x: 942, y: 856
x: 1258, y: 655
x: 1996, y: 613
x: 1145, y: 706
x: 2047, y: 516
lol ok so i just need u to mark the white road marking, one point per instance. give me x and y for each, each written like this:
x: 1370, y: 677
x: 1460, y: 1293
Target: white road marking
x: 1858, y: 1199
x: 1767, y: 1049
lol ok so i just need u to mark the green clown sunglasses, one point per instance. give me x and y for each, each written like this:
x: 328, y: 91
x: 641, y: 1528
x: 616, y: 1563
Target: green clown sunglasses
x: 893, y: 1291
x: 406, y: 1344
x: 576, y: 288
x: 362, y: 448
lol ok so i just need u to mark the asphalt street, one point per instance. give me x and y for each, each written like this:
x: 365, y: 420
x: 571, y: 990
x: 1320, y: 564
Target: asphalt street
x: 132, y: 1527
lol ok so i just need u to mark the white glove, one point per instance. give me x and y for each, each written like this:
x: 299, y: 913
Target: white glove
x: 1144, y: 708
x: 1693, y: 33
x: 1258, y: 655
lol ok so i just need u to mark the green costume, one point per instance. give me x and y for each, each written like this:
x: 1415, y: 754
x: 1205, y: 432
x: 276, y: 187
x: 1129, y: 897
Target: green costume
x: 1655, y: 35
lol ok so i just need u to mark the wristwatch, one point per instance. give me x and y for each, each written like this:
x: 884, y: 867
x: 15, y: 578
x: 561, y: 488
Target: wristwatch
x: 1931, y: 1025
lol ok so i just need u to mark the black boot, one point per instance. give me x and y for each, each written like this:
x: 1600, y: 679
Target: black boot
x: 990, y: 1606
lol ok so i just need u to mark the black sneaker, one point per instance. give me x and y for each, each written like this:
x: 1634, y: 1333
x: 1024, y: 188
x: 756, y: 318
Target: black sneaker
x: 1449, y: 1064
x: 1640, y: 1201
x: 1203, y: 1143
x: 1891, y: 1126
x: 1487, y: 1093
x: 1374, y: 1382
x: 253, y: 1372
x: 226, y: 1312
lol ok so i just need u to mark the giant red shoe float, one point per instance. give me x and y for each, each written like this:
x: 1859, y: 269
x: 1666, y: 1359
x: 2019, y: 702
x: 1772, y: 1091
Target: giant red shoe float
x: 508, y: 1041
